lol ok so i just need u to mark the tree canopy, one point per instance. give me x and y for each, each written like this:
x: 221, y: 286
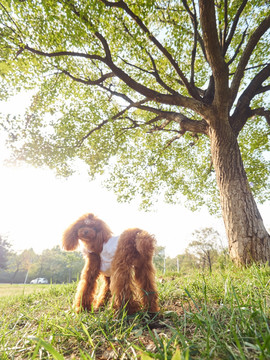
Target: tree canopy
x: 126, y: 86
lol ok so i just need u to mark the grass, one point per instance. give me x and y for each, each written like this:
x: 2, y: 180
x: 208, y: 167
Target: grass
x: 220, y: 316
x: 19, y: 289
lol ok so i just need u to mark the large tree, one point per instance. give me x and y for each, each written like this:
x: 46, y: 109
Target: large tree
x: 170, y: 94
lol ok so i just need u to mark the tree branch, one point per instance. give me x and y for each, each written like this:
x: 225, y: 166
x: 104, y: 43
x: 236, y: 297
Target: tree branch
x: 238, y: 48
x: 253, y: 41
x: 18, y: 32
x: 261, y: 112
x: 223, y: 39
x: 193, y: 54
x: 175, y: 99
x: 186, y: 124
x: 162, y: 126
x: 154, y: 73
x: 169, y: 142
x: 88, y: 81
x: 61, y: 53
x: 98, y: 127
x: 242, y: 110
x: 158, y: 78
x: 169, y: 99
x: 121, y: 4
x: 193, y: 126
x: 214, y: 51
x: 193, y: 18
x: 234, y: 26
x: 263, y: 89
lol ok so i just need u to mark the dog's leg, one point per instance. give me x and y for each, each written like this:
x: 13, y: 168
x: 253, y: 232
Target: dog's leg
x: 145, y: 271
x: 104, y: 292
x: 122, y: 289
x: 145, y: 278
x: 88, y: 283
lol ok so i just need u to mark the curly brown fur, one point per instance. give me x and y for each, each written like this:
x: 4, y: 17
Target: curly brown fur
x: 132, y: 275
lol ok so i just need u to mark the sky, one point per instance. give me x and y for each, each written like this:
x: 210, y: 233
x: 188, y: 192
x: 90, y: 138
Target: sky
x: 36, y: 208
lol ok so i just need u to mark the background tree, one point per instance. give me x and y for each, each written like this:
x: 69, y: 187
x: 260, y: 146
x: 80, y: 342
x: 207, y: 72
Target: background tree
x: 176, y: 264
x: 206, y: 246
x: 21, y: 262
x: 28, y: 259
x: 171, y: 94
x: 55, y: 265
x: 160, y: 258
x: 4, y: 251
x: 59, y: 266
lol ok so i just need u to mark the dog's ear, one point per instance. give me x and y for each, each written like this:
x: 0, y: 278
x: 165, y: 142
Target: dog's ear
x: 70, y: 240
x: 103, y: 231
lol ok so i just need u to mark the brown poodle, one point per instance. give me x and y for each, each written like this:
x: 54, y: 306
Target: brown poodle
x: 124, y: 263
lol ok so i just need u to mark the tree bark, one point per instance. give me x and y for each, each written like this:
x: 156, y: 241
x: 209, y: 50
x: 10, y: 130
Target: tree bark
x: 247, y: 236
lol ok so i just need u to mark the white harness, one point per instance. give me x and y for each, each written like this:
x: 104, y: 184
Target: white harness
x: 107, y: 254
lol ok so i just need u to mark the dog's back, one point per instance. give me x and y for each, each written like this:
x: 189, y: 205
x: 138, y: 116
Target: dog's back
x: 137, y: 242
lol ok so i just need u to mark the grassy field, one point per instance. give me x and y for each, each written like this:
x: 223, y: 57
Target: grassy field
x: 20, y: 289
x: 220, y: 316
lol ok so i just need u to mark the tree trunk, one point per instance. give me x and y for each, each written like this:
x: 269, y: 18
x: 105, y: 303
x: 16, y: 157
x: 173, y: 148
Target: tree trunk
x: 247, y: 236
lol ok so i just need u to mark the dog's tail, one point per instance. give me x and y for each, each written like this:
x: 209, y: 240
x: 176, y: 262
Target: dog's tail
x: 145, y: 244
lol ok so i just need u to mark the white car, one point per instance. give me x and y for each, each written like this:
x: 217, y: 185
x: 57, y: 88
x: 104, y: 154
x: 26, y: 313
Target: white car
x: 39, y: 281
